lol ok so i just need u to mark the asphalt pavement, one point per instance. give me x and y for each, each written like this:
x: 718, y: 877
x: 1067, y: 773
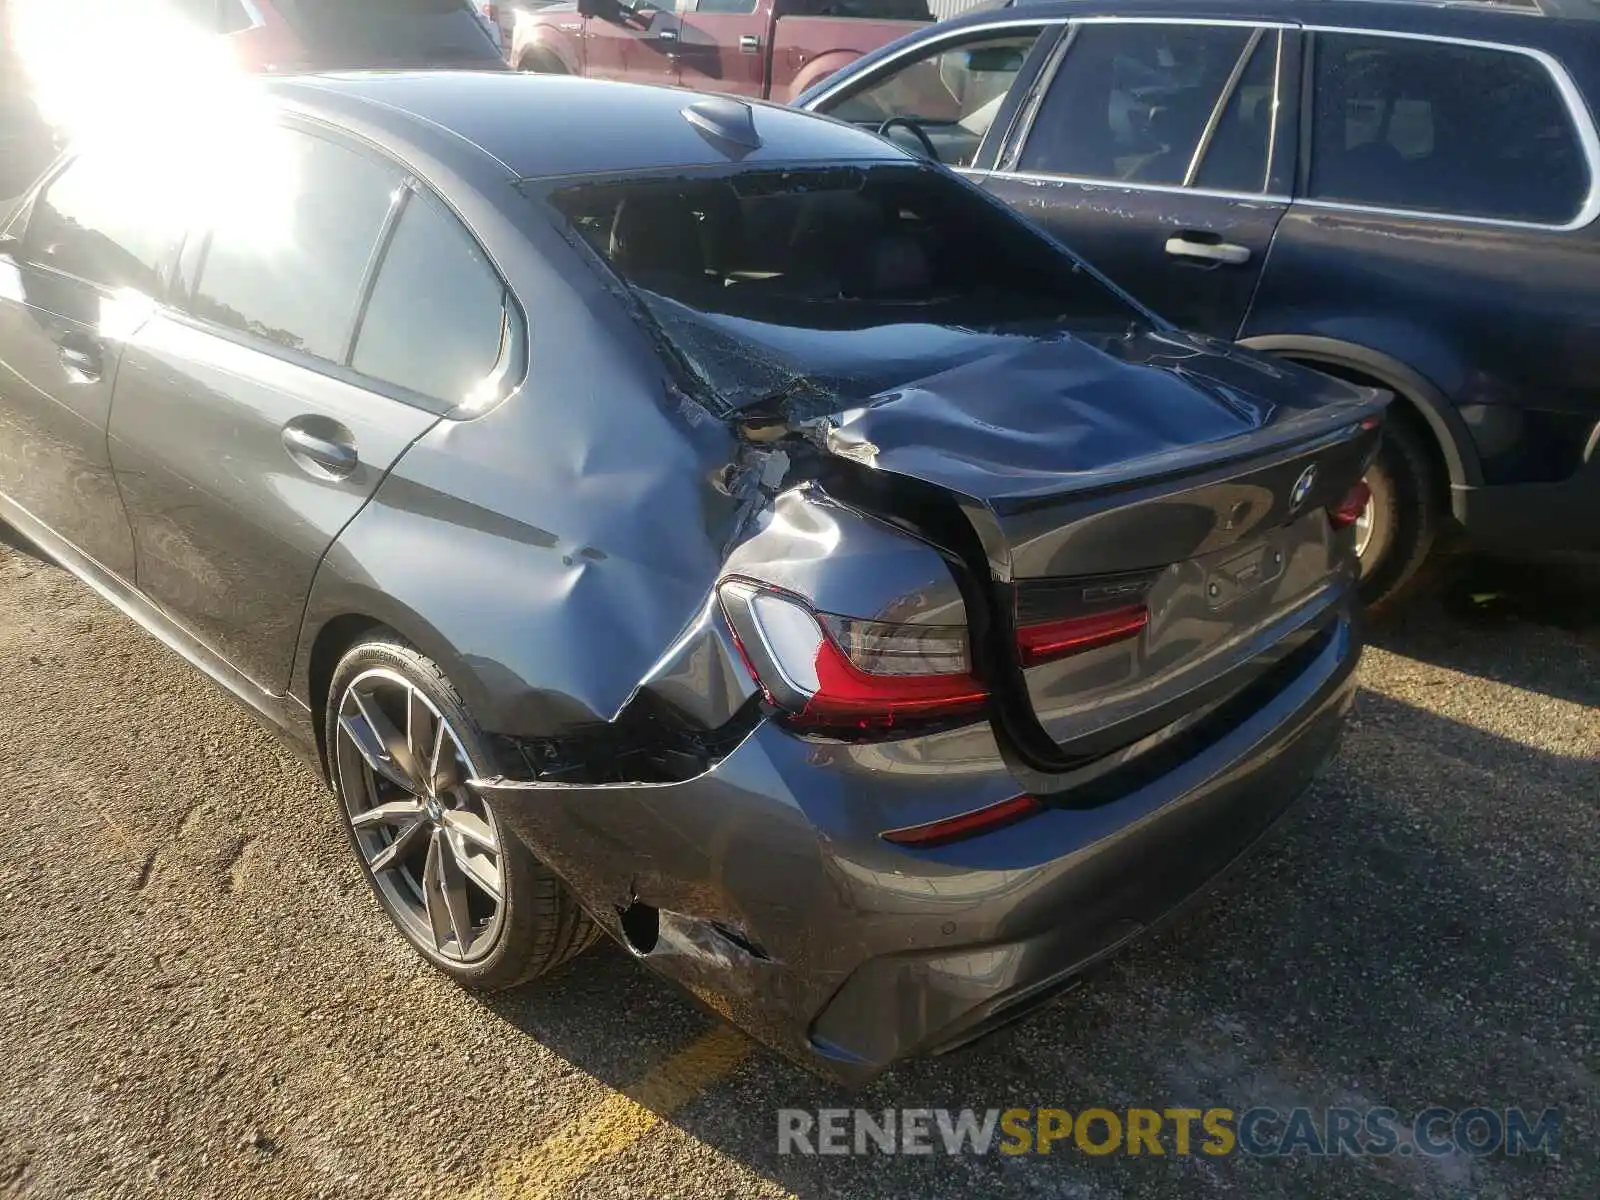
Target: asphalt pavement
x: 199, y: 998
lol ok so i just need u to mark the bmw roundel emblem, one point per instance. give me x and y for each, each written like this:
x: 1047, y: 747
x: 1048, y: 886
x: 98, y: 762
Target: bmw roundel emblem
x: 1303, y: 486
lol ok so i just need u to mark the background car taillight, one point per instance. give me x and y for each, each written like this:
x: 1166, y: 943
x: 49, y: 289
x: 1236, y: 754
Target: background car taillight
x: 833, y: 672
x: 1348, y: 511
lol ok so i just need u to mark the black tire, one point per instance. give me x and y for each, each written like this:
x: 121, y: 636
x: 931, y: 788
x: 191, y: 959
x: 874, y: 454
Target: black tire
x: 539, y: 925
x: 1406, y: 511
x: 541, y: 64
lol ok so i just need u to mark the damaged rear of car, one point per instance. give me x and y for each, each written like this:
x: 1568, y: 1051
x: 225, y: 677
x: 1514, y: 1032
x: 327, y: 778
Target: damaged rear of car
x: 1036, y: 612
x: 861, y: 610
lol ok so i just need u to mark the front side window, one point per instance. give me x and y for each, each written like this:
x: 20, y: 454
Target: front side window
x: 1438, y: 127
x: 833, y: 282
x: 1131, y: 102
x: 437, y: 321
x: 101, y: 222
x: 952, y: 93
x: 292, y: 271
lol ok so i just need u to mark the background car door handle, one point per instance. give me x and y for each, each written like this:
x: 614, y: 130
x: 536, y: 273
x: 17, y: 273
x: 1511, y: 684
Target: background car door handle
x: 83, y: 357
x: 321, y: 446
x: 1217, y: 252
x: 749, y: 43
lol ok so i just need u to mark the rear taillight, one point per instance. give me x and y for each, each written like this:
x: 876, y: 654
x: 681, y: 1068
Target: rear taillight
x: 1047, y: 640
x: 829, y: 672
x: 1348, y: 511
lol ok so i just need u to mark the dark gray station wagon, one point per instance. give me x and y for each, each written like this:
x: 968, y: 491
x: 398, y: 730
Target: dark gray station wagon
x: 1401, y: 194
x: 698, y: 521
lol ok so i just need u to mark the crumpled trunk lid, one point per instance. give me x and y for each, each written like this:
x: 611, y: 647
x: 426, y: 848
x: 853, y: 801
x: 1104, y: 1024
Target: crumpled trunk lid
x: 1147, y: 468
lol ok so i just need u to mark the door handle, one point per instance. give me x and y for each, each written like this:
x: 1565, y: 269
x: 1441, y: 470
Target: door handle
x: 749, y: 43
x: 82, y: 357
x: 1182, y: 246
x: 323, y: 447
x: 666, y: 35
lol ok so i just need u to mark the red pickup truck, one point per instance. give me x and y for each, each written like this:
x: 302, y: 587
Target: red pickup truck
x: 772, y: 49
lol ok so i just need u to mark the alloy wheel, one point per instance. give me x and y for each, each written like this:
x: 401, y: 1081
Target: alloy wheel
x: 1373, y: 515
x: 433, y: 847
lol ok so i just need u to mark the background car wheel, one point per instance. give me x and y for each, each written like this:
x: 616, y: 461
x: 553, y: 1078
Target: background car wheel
x: 458, y: 884
x: 541, y: 64
x: 1395, y: 533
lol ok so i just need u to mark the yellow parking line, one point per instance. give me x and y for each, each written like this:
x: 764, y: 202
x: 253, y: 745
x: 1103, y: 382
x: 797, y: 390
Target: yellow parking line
x: 620, y: 1120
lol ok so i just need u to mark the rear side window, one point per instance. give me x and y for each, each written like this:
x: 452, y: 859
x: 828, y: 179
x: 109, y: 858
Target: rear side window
x: 869, y: 10
x: 437, y: 322
x: 1130, y: 102
x: 97, y: 222
x: 1240, y: 150
x: 1437, y: 127
x: 293, y: 273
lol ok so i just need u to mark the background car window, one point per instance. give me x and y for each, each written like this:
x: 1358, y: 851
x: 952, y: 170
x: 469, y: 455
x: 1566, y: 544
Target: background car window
x: 233, y: 17
x: 1130, y: 102
x: 296, y: 279
x: 953, y: 93
x: 198, y: 12
x: 1403, y: 123
x: 436, y: 321
x: 97, y: 223
x: 1237, y: 159
x: 719, y: 6
x: 868, y: 10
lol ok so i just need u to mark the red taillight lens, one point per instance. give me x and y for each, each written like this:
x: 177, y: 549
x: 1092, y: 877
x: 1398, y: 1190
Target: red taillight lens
x: 1071, y: 635
x: 847, y: 695
x: 1348, y: 511
x: 841, y: 673
x: 968, y: 824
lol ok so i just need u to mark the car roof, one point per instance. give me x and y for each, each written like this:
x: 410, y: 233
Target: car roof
x: 1528, y: 21
x: 546, y: 126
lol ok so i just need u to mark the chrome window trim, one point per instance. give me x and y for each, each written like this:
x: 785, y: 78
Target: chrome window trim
x: 1571, y: 96
x: 1176, y: 189
x: 1224, y: 21
x: 916, y: 48
x: 1225, y: 98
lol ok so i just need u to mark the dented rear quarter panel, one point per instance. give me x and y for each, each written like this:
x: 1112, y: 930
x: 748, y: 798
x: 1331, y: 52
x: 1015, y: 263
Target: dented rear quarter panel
x: 548, y: 552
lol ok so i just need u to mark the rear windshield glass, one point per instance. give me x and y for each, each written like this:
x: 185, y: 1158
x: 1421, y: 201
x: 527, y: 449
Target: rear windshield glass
x: 832, y: 282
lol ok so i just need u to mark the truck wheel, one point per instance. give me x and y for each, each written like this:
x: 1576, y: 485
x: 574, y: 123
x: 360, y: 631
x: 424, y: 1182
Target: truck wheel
x: 541, y: 64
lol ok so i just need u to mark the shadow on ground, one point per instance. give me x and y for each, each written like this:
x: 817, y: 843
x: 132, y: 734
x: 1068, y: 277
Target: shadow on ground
x: 1532, y: 625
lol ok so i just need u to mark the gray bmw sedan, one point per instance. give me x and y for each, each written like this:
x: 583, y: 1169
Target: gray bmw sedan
x: 695, y: 521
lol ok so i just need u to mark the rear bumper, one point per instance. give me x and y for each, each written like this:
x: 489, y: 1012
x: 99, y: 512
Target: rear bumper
x: 1534, y: 516
x: 782, y: 908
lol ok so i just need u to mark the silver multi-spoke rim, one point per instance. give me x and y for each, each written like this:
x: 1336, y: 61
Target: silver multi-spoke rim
x: 1364, y: 528
x: 432, y: 845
